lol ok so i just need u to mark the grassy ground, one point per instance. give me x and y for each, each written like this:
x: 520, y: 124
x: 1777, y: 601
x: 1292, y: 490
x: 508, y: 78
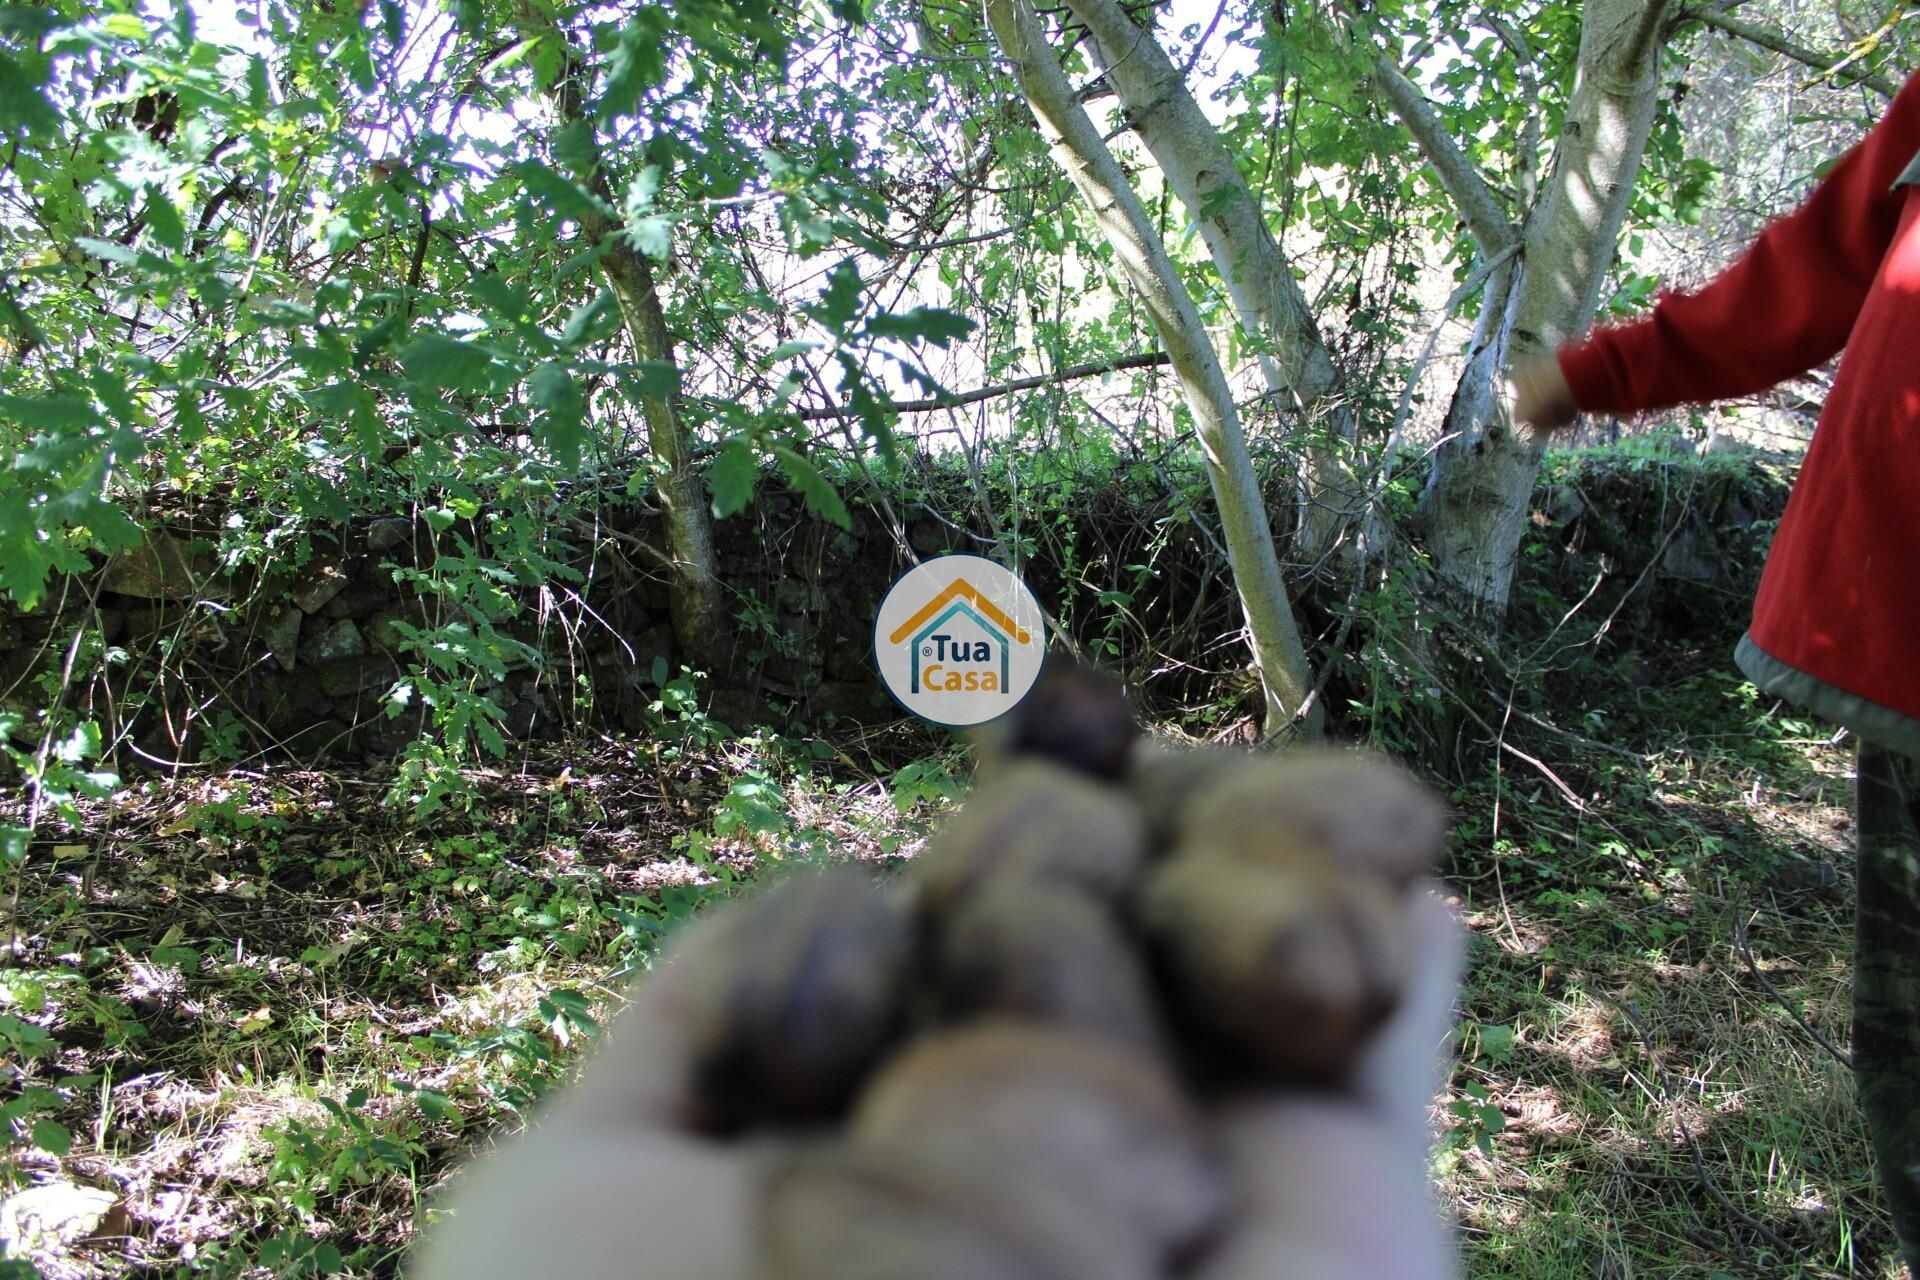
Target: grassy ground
x: 1641, y: 1089
x: 260, y: 1012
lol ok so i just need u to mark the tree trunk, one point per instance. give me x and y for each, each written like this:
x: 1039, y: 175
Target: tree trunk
x: 1271, y: 309
x: 1475, y: 507
x: 1077, y: 147
x: 698, y: 607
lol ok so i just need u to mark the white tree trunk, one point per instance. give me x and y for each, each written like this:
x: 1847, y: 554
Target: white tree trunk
x: 1475, y: 508
x: 1271, y: 309
x: 1078, y: 149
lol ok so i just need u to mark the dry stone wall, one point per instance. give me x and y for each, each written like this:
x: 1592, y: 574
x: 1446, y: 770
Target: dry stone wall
x: 302, y: 656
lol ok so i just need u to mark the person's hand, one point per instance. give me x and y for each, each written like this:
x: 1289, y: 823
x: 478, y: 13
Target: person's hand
x: 611, y: 1181
x: 1541, y: 398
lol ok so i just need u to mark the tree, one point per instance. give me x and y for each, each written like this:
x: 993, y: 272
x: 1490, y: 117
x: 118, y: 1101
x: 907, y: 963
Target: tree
x: 700, y: 620
x: 1279, y: 655
x: 1295, y: 366
x: 1546, y: 290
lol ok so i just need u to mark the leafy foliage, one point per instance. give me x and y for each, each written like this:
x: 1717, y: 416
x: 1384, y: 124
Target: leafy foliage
x: 274, y: 273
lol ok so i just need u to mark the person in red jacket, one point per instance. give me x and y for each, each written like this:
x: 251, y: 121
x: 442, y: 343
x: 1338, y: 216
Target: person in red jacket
x: 1836, y: 627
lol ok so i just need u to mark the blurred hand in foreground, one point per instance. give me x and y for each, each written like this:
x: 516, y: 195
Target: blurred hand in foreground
x: 613, y: 1180
x: 1541, y: 397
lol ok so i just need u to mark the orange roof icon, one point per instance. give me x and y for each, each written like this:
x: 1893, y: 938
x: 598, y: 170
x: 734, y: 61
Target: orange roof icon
x: 961, y: 587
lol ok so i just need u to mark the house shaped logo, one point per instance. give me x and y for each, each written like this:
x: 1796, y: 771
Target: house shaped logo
x: 959, y: 640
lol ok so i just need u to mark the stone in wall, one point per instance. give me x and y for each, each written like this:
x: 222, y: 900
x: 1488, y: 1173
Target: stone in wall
x: 281, y: 634
x: 341, y: 639
x: 164, y: 567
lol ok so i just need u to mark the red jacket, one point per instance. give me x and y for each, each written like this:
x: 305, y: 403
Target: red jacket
x: 1837, y: 622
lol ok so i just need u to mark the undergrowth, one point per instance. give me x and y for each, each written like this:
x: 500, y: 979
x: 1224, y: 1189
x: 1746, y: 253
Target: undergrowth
x: 263, y: 1012
x: 256, y: 1014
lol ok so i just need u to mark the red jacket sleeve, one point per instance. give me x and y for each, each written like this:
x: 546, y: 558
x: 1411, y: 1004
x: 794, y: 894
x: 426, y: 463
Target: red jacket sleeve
x: 1785, y: 306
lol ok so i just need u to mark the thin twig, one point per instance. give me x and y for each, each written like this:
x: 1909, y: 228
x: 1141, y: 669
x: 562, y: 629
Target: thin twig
x: 1572, y: 796
x: 1766, y: 38
x: 1142, y: 360
x: 1707, y: 1182
x: 1745, y: 951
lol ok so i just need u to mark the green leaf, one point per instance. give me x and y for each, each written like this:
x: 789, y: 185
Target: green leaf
x: 28, y: 22
x: 577, y: 147
x: 822, y: 498
x: 552, y: 386
x: 652, y: 236
x: 874, y: 415
x: 797, y: 347
x: 502, y: 301
x: 433, y: 1103
x: 840, y: 301
x: 25, y: 560
x: 52, y: 1137
x: 13, y: 843
x: 47, y: 413
x: 562, y: 427
x: 585, y: 318
x: 927, y: 324
x: 656, y: 379
x: 107, y: 250
x: 163, y: 219
x: 440, y: 363
x: 111, y: 387
x: 559, y: 193
x: 21, y: 98
x: 732, y: 476
x: 1498, y: 1042
x: 645, y: 187
x: 638, y: 63
x: 82, y: 744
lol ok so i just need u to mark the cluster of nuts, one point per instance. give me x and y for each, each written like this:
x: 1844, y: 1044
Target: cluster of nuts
x: 1007, y: 1052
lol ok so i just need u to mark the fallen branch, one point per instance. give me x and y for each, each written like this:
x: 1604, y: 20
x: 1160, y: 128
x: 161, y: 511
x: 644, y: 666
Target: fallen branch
x: 1572, y: 796
x: 654, y: 555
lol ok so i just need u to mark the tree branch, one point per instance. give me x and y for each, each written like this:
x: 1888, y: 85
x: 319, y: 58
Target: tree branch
x: 1774, y: 40
x: 1142, y: 360
x: 1472, y: 194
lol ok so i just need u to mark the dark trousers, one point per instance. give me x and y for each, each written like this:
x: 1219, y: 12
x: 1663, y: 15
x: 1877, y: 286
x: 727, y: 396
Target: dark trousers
x: 1886, y: 981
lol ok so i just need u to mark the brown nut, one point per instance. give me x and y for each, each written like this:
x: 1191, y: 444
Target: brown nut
x: 1364, y: 811
x: 1074, y: 716
x: 788, y: 1018
x: 1292, y: 967
x: 1036, y: 1106
x: 1050, y: 953
x: 1162, y: 779
x: 1034, y: 821
x: 850, y: 1214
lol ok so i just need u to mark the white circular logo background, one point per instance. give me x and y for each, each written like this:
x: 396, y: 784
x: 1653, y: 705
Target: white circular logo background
x: 959, y: 640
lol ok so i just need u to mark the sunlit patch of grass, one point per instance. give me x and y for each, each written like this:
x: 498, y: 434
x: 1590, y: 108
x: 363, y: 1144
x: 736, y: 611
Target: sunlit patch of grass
x: 290, y: 1010
x: 1664, y: 1113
